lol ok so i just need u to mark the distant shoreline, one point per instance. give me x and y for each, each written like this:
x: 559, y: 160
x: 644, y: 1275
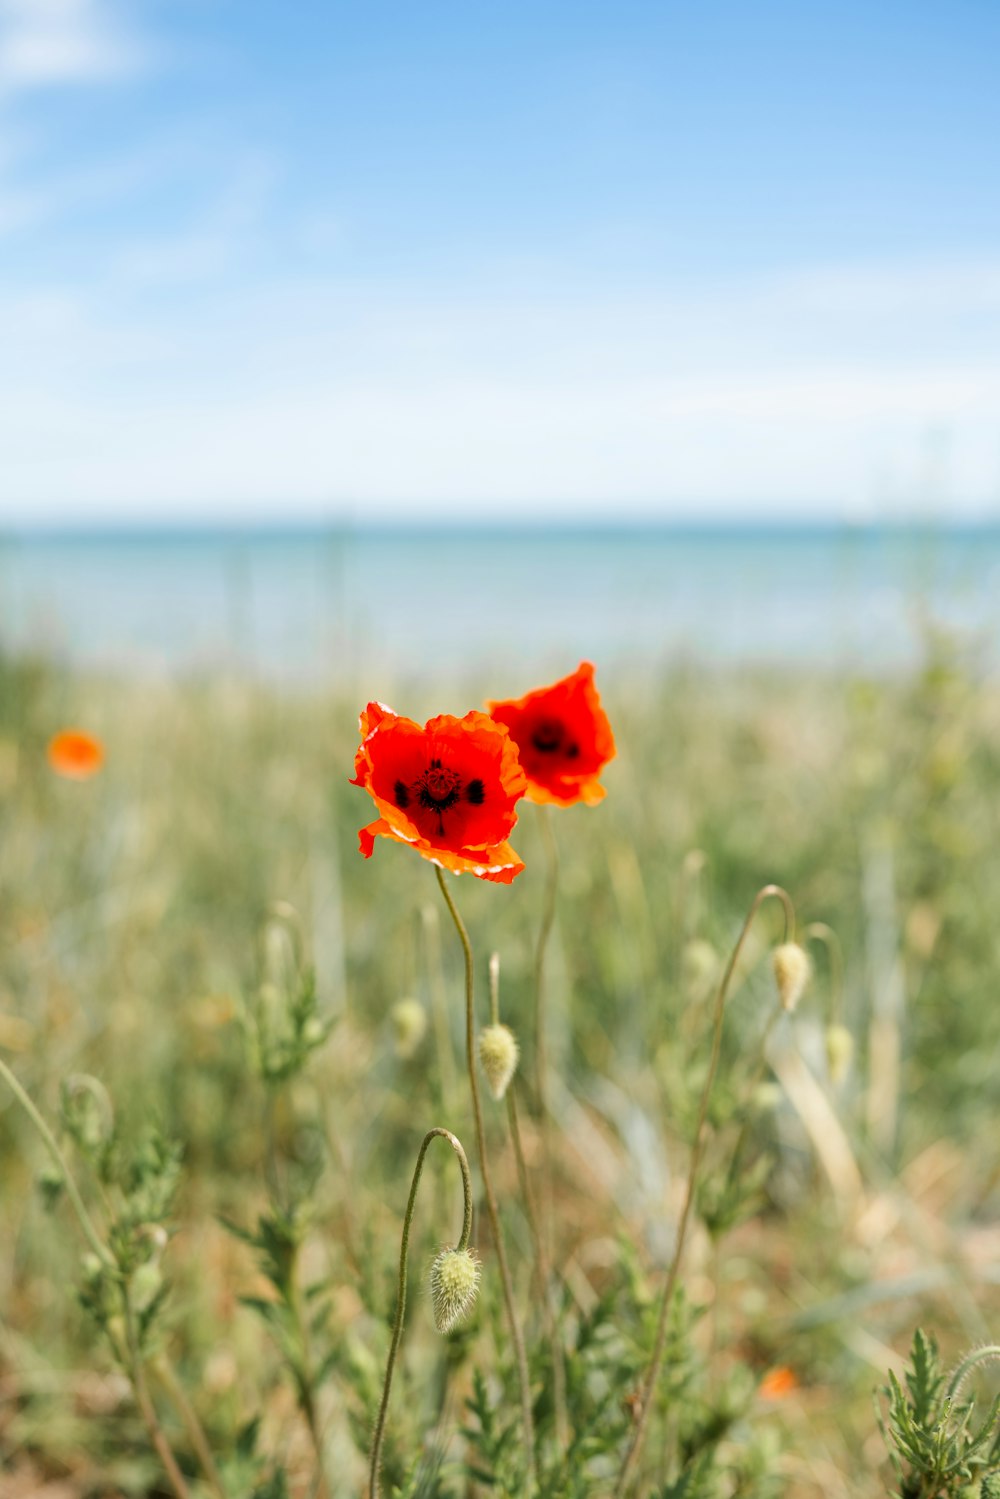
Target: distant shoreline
x: 545, y: 528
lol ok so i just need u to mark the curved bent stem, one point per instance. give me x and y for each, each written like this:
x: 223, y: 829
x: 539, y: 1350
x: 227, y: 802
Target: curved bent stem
x: 130, y: 1354
x: 491, y: 1201
x: 649, y: 1383
x: 819, y: 931
x: 404, y: 1246
x: 62, y: 1165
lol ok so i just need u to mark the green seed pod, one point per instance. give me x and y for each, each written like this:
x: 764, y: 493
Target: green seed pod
x: 792, y: 970
x: 409, y: 1026
x: 839, y: 1052
x: 454, y: 1282
x: 498, y: 1053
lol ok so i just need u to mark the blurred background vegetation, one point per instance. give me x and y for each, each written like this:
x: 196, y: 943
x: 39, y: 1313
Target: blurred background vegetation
x: 132, y: 948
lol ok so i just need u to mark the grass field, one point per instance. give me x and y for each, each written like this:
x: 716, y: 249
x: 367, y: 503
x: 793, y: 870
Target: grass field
x: 158, y: 922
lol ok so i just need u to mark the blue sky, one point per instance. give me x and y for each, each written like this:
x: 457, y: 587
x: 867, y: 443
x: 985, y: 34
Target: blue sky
x: 264, y: 260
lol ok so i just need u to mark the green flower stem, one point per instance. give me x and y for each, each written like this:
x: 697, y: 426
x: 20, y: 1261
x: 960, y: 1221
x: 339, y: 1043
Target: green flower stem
x: 542, y: 1275
x: 304, y: 1384
x: 439, y: 1005
x: 649, y: 1383
x: 986, y: 1354
x: 147, y: 1409
x: 818, y: 931
x: 756, y: 1077
x: 528, y: 1431
x: 167, y: 1375
x: 52, y: 1146
x: 541, y: 946
x: 404, y: 1246
x: 132, y: 1358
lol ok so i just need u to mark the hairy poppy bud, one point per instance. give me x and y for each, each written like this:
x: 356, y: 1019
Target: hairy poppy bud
x: 498, y: 1054
x: 791, y: 973
x: 839, y: 1051
x: 990, y: 1486
x: 454, y: 1281
x: 409, y: 1025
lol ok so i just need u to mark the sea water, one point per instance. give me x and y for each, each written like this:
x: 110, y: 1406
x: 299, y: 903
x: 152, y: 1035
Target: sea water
x: 362, y: 605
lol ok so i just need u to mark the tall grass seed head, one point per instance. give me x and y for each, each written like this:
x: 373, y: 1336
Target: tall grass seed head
x: 453, y: 1283
x: 839, y: 1052
x: 409, y: 1026
x: 498, y: 1054
x: 792, y: 970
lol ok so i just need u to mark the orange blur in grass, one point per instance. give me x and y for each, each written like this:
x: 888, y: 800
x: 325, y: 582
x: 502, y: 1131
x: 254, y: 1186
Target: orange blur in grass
x: 75, y: 754
x: 778, y: 1383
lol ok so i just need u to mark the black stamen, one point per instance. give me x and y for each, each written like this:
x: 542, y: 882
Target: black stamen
x: 475, y: 792
x: 402, y: 795
x: 437, y: 791
x: 548, y: 736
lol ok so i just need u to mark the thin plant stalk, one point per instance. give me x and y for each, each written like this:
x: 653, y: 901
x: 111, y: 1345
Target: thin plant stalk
x: 634, y: 1451
x: 439, y: 1003
x: 528, y: 1428
x: 132, y: 1357
x: 144, y: 1401
x: 818, y: 931
x: 397, y: 1326
x: 544, y: 1238
x: 167, y: 1375
x: 542, y: 1275
x: 307, y: 1399
x: 542, y: 1272
x: 756, y: 1077
x: 541, y: 946
x: 62, y: 1165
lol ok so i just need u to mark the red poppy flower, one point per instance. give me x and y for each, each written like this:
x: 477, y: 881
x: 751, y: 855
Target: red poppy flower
x: 75, y: 754
x: 447, y: 789
x: 563, y: 738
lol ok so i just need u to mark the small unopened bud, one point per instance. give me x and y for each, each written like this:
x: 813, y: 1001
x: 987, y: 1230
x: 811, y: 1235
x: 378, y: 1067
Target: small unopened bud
x: 454, y: 1281
x: 699, y: 967
x: 409, y: 1026
x: 792, y: 969
x: 990, y: 1486
x: 839, y: 1052
x: 767, y: 1097
x: 498, y: 1054
x: 92, y: 1268
x: 146, y: 1285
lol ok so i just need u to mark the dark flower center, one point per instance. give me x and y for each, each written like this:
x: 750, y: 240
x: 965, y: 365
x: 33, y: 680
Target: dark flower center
x: 438, y: 789
x: 549, y: 737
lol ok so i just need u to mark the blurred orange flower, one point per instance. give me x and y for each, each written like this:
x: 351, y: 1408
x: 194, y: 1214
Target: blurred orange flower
x: 447, y: 789
x: 75, y: 754
x: 563, y: 738
x: 778, y: 1383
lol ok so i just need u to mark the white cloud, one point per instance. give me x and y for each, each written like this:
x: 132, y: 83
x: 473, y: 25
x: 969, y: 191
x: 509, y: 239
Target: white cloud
x: 45, y: 42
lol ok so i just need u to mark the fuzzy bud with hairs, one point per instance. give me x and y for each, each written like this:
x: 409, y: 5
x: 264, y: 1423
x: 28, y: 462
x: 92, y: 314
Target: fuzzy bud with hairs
x: 498, y: 1053
x: 453, y: 1283
x: 792, y: 970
